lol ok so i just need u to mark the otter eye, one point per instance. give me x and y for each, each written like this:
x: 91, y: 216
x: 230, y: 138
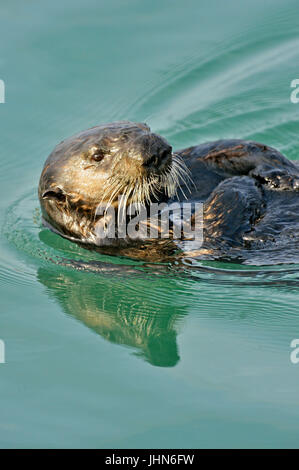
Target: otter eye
x: 96, y: 154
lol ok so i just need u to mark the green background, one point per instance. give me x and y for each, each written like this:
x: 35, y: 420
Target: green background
x: 142, y: 360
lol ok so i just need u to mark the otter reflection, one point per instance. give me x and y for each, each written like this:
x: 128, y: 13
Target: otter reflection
x: 120, y: 310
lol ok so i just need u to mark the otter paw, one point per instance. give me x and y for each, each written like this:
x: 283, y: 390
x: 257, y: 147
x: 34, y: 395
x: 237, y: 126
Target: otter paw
x: 277, y: 179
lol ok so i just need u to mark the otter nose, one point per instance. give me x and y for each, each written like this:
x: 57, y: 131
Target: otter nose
x: 157, y: 155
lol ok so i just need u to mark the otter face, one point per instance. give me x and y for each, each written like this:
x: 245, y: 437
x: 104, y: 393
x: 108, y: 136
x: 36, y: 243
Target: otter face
x: 100, y: 164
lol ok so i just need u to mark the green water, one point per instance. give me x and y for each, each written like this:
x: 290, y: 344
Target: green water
x: 142, y: 360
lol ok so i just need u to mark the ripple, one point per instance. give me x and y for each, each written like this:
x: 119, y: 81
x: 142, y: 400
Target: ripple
x: 229, y: 92
x: 23, y: 229
x: 118, y: 304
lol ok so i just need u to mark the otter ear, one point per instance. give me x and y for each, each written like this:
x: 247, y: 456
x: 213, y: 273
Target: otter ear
x: 54, y: 194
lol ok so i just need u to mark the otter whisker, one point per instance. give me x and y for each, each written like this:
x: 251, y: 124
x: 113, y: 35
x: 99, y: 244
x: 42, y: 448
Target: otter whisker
x: 116, y: 190
x: 145, y: 189
x: 184, y: 170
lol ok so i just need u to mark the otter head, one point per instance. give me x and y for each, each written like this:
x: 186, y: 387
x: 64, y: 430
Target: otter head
x: 100, y: 164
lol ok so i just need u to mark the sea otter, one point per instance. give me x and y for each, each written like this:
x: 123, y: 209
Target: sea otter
x: 249, y: 191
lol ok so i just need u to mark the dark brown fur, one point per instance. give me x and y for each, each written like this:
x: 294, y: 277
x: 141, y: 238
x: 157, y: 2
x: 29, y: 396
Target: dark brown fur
x: 249, y: 190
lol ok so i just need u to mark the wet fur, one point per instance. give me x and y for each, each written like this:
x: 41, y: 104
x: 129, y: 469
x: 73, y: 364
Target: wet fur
x: 249, y: 190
